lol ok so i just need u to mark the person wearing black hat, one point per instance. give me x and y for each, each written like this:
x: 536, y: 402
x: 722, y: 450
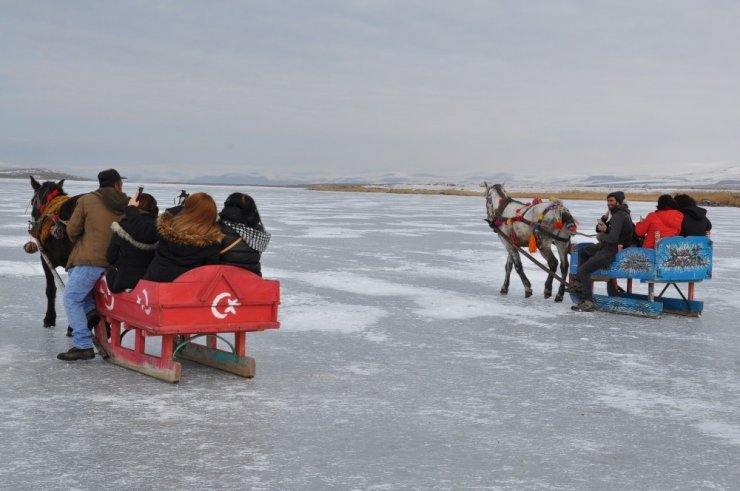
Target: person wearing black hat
x: 90, y: 230
x: 614, y: 230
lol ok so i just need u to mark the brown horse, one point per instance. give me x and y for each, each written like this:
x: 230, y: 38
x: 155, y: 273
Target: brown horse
x: 50, y: 209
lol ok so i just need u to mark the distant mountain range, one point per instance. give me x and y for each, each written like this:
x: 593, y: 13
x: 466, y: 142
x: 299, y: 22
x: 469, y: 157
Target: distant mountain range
x: 718, y: 177
x: 41, y: 174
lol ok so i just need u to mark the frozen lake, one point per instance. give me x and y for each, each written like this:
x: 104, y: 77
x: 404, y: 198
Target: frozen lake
x: 398, y: 366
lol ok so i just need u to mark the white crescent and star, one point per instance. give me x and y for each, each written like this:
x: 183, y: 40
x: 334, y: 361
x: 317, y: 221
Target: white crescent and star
x: 231, y: 303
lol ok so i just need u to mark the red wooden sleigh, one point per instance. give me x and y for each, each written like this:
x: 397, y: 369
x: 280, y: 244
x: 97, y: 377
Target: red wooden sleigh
x: 209, y: 302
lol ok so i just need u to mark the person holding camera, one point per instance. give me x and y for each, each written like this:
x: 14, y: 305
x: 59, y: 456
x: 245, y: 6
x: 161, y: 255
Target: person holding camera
x: 132, y: 246
x: 189, y: 236
x: 614, y: 231
x: 89, y: 229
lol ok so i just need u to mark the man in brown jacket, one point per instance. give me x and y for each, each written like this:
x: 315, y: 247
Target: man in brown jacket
x: 90, y: 229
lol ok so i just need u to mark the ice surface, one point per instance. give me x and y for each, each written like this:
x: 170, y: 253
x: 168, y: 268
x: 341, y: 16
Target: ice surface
x: 398, y: 366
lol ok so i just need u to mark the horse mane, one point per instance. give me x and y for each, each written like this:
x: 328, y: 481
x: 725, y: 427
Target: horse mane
x: 65, y: 212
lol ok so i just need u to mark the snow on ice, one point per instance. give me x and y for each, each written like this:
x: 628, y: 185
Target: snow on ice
x: 398, y: 366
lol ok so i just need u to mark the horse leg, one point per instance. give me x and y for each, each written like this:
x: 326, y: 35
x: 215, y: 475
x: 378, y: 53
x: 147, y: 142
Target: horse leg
x: 552, y: 264
x: 507, y: 277
x: 563, y: 253
x: 520, y: 271
x: 50, y: 319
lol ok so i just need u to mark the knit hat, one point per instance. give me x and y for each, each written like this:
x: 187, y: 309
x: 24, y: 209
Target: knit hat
x: 617, y: 195
x: 108, y: 178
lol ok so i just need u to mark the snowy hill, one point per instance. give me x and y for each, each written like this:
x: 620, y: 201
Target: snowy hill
x: 38, y: 173
x: 699, y: 176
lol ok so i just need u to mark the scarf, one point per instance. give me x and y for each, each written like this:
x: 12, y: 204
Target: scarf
x: 256, y: 239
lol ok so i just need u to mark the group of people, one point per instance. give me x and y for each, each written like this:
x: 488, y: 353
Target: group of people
x: 674, y: 216
x: 129, y: 240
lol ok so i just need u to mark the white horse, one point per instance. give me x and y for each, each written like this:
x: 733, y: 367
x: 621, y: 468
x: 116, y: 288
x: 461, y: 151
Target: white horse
x: 547, y: 223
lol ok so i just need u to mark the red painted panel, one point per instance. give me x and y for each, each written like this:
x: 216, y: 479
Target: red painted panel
x: 203, y: 300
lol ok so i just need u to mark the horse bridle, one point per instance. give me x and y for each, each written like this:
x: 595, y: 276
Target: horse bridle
x: 505, y: 200
x: 37, y: 204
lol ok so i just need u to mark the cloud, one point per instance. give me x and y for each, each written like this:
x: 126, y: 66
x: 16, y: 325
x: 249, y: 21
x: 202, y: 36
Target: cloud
x: 452, y: 88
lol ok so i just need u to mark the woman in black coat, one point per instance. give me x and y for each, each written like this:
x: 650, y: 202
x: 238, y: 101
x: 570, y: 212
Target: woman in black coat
x: 695, y: 221
x: 245, y: 238
x: 188, y: 237
x: 133, y: 243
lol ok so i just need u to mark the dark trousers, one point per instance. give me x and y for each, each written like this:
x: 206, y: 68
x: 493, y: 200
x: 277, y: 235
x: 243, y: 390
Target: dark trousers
x: 590, y: 259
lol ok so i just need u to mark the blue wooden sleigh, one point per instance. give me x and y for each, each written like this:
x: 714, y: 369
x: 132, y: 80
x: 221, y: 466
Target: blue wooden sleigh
x: 675, y: 261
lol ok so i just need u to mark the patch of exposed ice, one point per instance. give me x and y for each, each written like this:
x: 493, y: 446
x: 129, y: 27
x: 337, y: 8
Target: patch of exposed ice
x: 13, y: 240
x: 432, y: 303
x: 20, y: 268
x: 703, y: 415
x: 331, y: 233
x: 306, y: 312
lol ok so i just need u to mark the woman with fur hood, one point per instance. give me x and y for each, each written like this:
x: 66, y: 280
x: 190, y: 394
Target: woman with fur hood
x: 133, y: 243
x: 188, y: 237
x: 245, y: 238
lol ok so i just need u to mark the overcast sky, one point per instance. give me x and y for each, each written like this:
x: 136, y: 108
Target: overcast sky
x: 286, y: 88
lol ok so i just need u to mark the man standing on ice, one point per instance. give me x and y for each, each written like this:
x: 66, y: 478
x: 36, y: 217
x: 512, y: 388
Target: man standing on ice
x: 614, y: 232
x: 90, y: 230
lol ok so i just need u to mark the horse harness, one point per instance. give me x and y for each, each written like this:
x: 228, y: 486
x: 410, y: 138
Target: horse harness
x: 536, y: 226
x: 48, y: 224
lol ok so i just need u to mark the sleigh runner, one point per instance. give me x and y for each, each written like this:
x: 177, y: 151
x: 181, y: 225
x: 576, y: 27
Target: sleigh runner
x: 208, y: 301
x: 678, y: 262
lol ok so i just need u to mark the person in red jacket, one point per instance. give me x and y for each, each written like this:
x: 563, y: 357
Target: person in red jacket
x: 666, y: 220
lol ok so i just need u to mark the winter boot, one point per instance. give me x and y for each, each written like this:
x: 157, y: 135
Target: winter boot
x: 585, y: 306
x: 75, y: 354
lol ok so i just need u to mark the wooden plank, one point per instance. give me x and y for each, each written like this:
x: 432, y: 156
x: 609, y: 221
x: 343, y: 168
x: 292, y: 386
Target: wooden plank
x: 167, y: 370
x: 148, y: 365
x: 243, y: 366
x: 675, y: 306
x: 683, y: 259
x: 625, y: 305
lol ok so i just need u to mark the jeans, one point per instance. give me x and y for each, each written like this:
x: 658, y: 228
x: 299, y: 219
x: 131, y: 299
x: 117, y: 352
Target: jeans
x: 78, y: 300
x: 590, y: 259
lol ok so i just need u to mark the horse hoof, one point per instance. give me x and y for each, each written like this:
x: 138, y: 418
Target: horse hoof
x: 504, y: 291
x: 527, y: 293
x: 559, y: 298
x: 548, y: 294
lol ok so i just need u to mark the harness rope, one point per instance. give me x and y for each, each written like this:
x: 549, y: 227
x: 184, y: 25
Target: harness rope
x: 537, y: 226
x: 40, y: 229
x: 49, y: 216
x: 498, y: 220
x: 528, y: 255
x: 57, y: 278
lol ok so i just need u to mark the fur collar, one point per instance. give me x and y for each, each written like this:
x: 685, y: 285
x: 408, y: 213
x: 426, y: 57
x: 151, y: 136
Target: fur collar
x: 119, y: 231
x: 167, y: 231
